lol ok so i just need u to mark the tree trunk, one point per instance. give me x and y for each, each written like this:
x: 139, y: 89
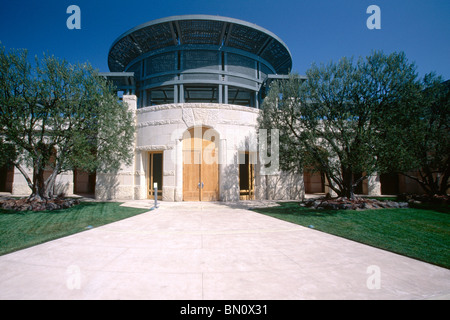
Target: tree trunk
x: 347, y: 179
x: 25, y: 175
x: 39, y: 187
x: 348, y: 191
x: 332, y: 179
x: 50, y: 183
x: 431, y: 182
x: 445, y: 176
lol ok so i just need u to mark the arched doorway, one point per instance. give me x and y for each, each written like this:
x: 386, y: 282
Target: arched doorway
x: 200, y: 165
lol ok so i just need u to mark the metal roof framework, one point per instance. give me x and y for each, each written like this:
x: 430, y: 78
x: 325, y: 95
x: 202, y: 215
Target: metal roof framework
x: 199, y: 30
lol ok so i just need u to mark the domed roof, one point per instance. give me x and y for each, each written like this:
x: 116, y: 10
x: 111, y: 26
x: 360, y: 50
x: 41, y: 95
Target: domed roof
x: 199, y: 30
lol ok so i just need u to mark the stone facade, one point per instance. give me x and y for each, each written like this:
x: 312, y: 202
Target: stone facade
x: 161, y: 129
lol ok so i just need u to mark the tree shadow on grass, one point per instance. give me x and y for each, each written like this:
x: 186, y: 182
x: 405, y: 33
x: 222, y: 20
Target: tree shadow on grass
x: 444, y: 208
x: 294, y: 208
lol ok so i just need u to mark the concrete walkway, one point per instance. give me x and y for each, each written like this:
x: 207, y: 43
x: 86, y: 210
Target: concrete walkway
x: 196, y: 251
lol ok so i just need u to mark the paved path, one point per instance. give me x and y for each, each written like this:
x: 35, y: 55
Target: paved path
x: 213, y: 251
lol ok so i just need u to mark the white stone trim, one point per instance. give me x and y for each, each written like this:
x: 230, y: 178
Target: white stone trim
x: 197, y: 106
x: 158, y: 123
x: 155, y: 148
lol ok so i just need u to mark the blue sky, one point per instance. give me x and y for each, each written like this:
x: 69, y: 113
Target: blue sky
x: 315, y: 31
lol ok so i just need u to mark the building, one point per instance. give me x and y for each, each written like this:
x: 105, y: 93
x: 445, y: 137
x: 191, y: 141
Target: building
x: 195, y: 84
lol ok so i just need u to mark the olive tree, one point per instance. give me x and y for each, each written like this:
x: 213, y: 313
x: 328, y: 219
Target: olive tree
x: 423, y: 152
x: 341, y: 120
x: 56, y: 116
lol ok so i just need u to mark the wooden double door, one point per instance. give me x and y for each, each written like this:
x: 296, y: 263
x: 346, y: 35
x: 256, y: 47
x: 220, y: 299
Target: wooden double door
x: 200, y: 165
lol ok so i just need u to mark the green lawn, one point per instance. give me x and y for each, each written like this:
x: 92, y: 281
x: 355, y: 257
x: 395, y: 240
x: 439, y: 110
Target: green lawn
x: 22, y: 230
x: 423, y: 234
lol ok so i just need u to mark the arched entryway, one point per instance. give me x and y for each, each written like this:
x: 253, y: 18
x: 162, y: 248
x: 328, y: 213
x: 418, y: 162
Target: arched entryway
x: 200, y: 164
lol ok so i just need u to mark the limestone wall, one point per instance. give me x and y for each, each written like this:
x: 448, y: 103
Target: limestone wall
x: 161, y: 128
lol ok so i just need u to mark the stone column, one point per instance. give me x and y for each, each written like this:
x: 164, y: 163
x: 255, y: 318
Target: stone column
x: 374, y: 185
x: 140, y: 176
x: 179, y: 170
x: 169, y: 179
x: 228, y: 173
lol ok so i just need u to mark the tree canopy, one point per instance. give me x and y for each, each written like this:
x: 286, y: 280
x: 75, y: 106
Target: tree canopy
x: 423, y: 151
x: 57, y: 116
x: 346, y: 118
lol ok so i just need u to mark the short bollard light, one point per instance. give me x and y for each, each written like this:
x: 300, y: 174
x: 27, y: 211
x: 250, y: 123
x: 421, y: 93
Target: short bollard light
x: 155, y: 192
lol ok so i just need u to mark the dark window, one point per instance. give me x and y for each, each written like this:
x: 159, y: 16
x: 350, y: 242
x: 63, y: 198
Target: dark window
x: 201, y: 94
x: 164, y: 95
x: 241, y: 97
x: 156, y: 173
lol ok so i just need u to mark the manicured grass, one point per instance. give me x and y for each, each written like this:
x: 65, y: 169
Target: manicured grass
x: 22, y: 230
x: 420, y: 233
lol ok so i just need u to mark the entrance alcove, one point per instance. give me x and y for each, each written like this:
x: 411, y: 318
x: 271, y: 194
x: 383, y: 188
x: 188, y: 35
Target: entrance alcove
x: 201, y: 164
